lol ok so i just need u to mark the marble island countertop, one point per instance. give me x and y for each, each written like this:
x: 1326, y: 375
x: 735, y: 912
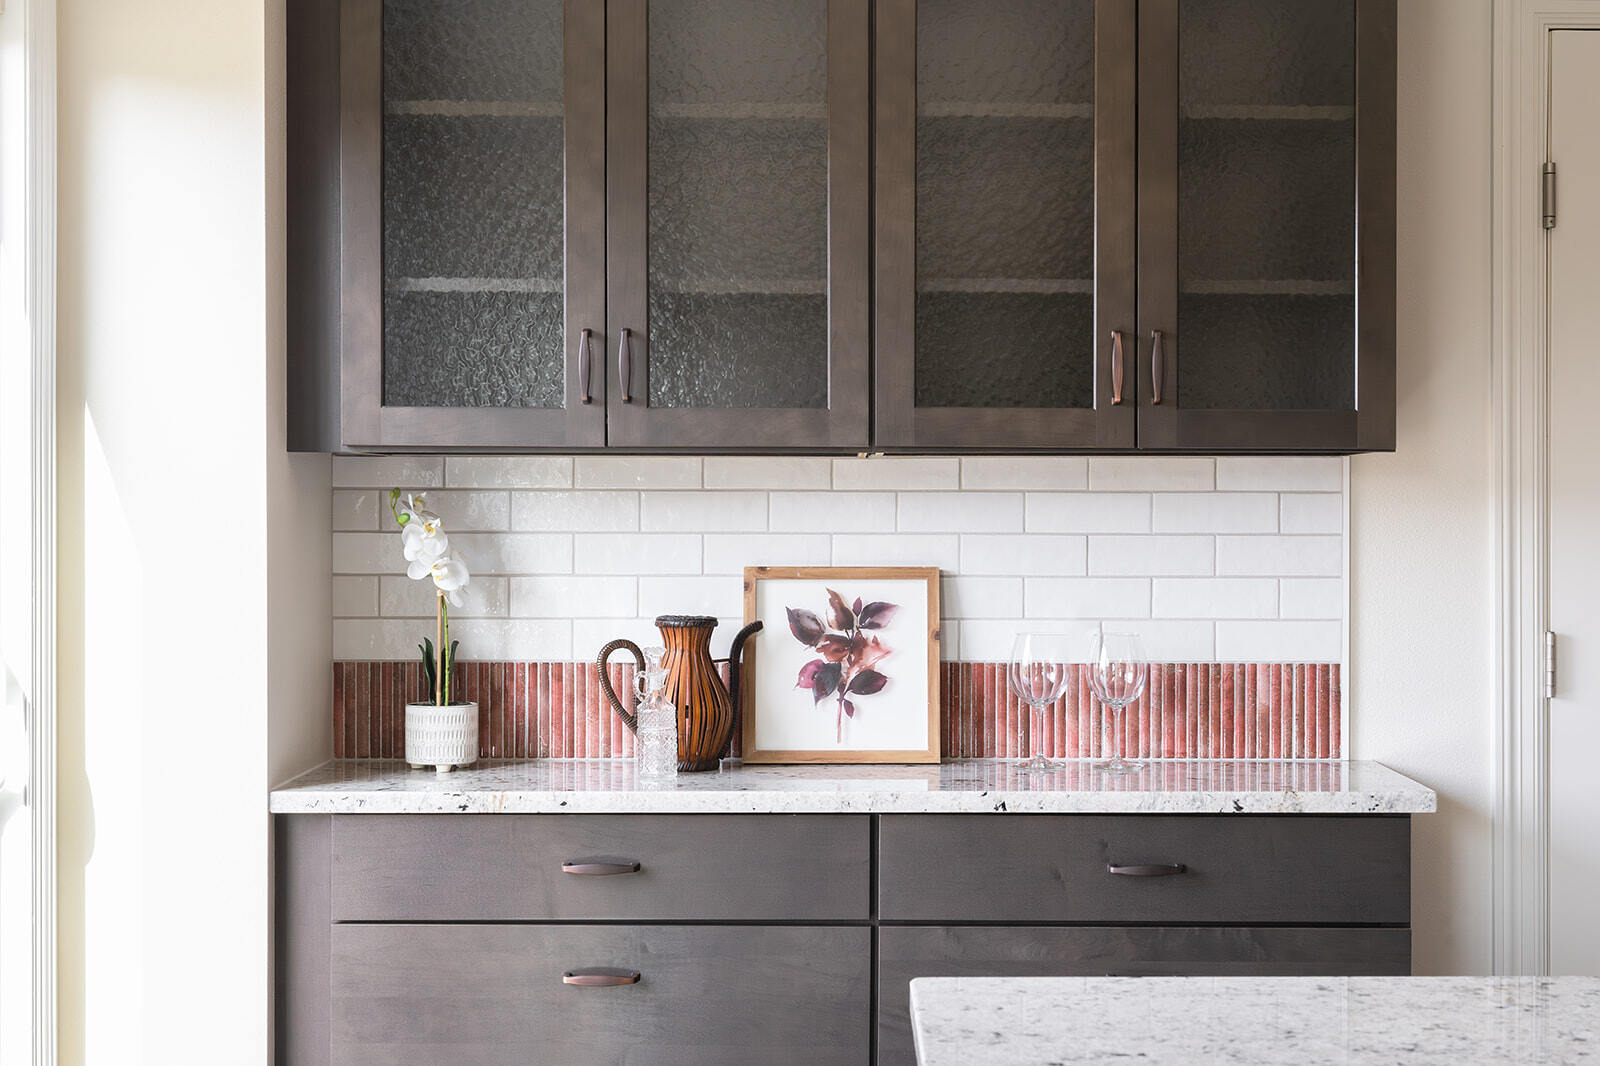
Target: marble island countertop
x: 1256, y: 1021
x: 976, y: 786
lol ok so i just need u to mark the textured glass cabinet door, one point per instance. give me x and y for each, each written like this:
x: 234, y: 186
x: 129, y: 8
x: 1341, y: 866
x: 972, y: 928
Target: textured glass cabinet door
x: 476, y: 130
x: 1005, y: 236
x: 1266, y: 127
x: 737, y: 217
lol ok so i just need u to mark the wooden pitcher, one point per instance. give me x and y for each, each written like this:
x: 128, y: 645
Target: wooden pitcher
x: 707, y: 713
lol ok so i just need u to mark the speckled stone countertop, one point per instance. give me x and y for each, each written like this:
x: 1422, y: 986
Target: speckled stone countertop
x: 978, y: 786
x: 1256, y: 1021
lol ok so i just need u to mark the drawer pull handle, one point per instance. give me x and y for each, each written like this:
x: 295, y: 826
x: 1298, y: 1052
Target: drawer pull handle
x: 600, y: 978
x: 599, y: 869
x: 1155, y: 869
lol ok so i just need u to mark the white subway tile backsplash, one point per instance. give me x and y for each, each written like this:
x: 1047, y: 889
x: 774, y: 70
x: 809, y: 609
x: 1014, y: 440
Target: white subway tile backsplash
x: 405, y: 472
x: 961, y: 512
x: 514, y: 553
x: 637, y: 553
x: 1312, y: 473
x: 1088, y: 597
x: 1280, y: 641
x: 355, y: 597
x: 480, y: 638
x: 1025, y: 555
x: 721, y: 595
x: 1168, y: 641
x: 1152, y: 473
x: 368, y: 553
x: 401, y: 597
x: 508, y: 472
x: 898, y: 549
x: 1237, y: 558
x: 1025, y: 472
x: 980, y: 597
x: 897, y: 472
x: 949, y: 641
x: 1281, y: 556
x: 589, y: 635
x: 1088, y: 512
x: 357, y: 509
x: 703, y: 512
x: 1215, y: 597
x: 828, y: 512
x: 467, y: 511
x: 1311, y: 597
x: 1157, y: 556
x: 768, y: 472
x: 574, y: 596
x: 636, y: 472
x: 730, y: 553
x: 578, y: 512
x: 1215, y: 512
x: 1312, y: 512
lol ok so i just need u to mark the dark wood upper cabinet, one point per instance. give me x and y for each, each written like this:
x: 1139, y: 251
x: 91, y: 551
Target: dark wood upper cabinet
x: 737, y: 215
x: 1266, y: 225
x: 1006, y: 257
x: 841, y: 225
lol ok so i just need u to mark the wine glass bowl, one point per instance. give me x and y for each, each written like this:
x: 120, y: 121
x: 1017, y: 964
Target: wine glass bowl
x: 1037, y: 674
x: 1117, y: 673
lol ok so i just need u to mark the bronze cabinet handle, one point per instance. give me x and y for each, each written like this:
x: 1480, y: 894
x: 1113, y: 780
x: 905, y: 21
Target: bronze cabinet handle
x: 600, y: 978
x: 583, y: 365
x: 1116, y: 366
x: 1153, y: 869
x: 625, y: 364
x: 1157, y: 366
x: 599, y: 869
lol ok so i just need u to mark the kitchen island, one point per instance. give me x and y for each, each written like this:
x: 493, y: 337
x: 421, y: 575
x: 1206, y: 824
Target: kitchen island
x: 563, y: 911
x: 1256, y: 1021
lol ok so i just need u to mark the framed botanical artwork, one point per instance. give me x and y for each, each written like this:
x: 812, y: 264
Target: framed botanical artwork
x: 845, y: 667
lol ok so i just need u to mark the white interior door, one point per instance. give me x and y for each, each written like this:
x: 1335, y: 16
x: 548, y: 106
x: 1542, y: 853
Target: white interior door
x: 1574, y: 335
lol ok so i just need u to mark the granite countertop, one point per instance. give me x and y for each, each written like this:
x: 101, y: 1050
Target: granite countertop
x: 1256, y: 1021
x: 975, y: 786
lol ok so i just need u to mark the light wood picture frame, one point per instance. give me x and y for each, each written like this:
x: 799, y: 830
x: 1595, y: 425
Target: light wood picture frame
x: 846, y: 666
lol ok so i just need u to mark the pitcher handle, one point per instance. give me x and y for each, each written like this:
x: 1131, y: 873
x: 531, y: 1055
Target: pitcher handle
x: 629, y: 718
x: 735, y: 689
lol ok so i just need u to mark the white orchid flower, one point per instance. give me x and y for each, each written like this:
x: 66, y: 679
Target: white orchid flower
x: 450, y: 576
x: 423, y: 539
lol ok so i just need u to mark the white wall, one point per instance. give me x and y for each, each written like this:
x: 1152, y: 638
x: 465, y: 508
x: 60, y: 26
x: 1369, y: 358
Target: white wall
x: 1421, y: 518
x: 178, y: 511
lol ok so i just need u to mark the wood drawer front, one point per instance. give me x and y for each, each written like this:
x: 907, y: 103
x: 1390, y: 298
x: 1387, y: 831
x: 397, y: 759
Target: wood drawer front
x: 487, y: 995
x: 905, y: 952
x: 1053, y: 868
x: 501, y: 867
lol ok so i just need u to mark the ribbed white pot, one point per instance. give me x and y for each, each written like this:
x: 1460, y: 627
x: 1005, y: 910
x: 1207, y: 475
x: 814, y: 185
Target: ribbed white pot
x: 441, y: 737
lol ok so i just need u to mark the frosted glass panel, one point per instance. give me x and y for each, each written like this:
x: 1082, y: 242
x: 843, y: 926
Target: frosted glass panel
x: 738, y: 203
x: 1266, y: 204
x: 473, y: 203
x: 1005, y: 203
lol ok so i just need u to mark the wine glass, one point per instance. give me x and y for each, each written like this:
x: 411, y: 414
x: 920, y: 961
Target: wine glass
x: 1118, y: 671
x: 1037, y: 674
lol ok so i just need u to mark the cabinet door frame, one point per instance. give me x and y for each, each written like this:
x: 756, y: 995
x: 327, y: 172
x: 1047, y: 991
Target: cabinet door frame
x: 1370, y: 424
x: 898, y: 422
x: 366, y: 421
x: 633, y: 424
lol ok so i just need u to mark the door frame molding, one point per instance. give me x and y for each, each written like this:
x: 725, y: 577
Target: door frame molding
x: 1520, y: 372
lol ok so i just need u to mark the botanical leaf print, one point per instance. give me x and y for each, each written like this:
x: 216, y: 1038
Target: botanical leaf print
x: 848, y: 652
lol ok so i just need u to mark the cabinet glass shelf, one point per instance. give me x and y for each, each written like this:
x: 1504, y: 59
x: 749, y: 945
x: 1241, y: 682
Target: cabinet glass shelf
x: 1269, y: 112
x: 1002, y: 109
x: 476, y: 108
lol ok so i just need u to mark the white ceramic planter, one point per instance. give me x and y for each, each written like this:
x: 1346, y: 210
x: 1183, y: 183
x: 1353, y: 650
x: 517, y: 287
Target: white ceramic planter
x: 441, y: 737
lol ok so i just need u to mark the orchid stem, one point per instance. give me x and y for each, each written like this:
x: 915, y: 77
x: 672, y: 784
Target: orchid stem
x: 438, y: 654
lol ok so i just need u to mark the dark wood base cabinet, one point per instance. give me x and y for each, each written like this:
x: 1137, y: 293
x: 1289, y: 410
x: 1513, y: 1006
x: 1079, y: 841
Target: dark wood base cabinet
x: 406, y: 940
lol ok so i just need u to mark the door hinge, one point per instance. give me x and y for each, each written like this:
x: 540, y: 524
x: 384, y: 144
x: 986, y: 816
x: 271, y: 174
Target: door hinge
x: 1547, y: 195
x: 1549, y: 664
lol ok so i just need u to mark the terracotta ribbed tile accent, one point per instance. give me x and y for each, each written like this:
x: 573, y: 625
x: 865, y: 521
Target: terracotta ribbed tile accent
x: 1188, y: 710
